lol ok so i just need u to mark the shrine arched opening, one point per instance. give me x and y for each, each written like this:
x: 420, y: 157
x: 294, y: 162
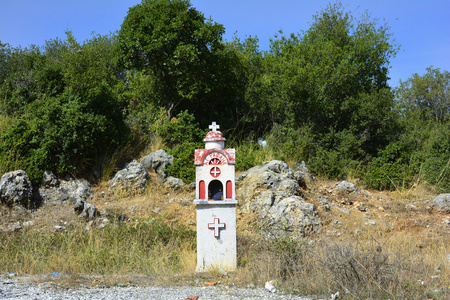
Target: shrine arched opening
x: 215, y: 190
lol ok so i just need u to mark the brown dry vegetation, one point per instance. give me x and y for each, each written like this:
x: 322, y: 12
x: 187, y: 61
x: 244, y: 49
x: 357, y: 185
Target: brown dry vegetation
x: 373, y: 245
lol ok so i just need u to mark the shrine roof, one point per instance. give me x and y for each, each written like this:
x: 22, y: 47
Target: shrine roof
x: 214, y: 136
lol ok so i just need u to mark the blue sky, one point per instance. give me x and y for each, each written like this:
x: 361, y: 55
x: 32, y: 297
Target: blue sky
x: 421, y: 27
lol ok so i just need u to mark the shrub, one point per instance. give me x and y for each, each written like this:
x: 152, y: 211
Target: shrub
x: 436, y: 159
x: 250, y: 154
x: 181, y: 136
x: 61, y: 134
x: 390, y: 169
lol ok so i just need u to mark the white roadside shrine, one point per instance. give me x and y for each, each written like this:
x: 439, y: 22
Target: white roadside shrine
x: 215, y: 203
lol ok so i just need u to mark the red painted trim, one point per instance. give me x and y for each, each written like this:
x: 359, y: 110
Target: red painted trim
x: 202, y: 190
x: 229, y: 190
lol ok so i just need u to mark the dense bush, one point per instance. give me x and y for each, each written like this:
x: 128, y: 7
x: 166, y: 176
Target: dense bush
x: 181, y: 136
x: 436, y: 159
x: 390, y: 170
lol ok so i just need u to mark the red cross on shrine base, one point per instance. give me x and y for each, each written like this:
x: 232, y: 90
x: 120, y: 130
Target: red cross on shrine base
x: 216, y: 226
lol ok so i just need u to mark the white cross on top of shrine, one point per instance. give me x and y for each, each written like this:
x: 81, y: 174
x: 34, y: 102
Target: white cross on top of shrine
x: 214, y: 126
x: 216, y: 226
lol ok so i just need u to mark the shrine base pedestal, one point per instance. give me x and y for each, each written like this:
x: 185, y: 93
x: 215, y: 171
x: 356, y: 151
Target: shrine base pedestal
x: 216, y: 235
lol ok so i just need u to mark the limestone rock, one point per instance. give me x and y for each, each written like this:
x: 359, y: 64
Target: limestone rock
x: 132, y: 179
x: 158, y: 161
x: 60, y: 192
x: 346, y: 187
x: 284, y: 214
x: 16, y: 189
x: 442, y: 202
x: 174, y: 183
x: 274, y: 194
x: 49, y: 180
x: 302, y: 174
x: 86, y: 210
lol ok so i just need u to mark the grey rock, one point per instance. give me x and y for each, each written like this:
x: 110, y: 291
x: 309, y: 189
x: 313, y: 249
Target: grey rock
x: 302, y: 174
x: 86, y: 210
x: 323, y: 202
x: 442, y: 202
x: 158, y: 161
x: 132, y: 179
x: 274, y: 194
x: 15, y: 227
x: 65, y: 191
x: 347, y: 187
x: 282, y: 214
x: 240, y: 177
x: 274, y: 175
x: 16, y: 189
x: 276, y: 166
x: 49, y: 180
x: 174, y: 183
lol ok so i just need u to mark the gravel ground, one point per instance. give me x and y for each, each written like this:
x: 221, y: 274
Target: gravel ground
x: 18, y: 288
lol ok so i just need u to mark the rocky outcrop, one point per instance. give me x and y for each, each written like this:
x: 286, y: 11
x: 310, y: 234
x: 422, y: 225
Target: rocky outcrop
x: 442, y: 203
x: 16, y: 189
x: 54, y: 191
x: 158, y: 161
x: 302, y: 174
x: 132, y: 179
x: 274, y: 193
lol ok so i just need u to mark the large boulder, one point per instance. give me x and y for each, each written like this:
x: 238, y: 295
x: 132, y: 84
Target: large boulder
x: 132, y: 179
x: 54, y: 191
x: 442, y: 202
x: 274, y: 194
x: 158, y: 161
x: 273, y: 175
x: 16, y: 189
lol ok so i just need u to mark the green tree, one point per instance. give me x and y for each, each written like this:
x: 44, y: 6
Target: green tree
x: 66, y: 103
x: 331, y: 78
x: 427, y: 96
x: 175, y: 46
x: 423, y: 103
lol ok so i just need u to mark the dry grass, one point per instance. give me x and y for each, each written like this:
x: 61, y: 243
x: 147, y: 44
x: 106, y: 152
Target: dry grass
x: 362, y: 268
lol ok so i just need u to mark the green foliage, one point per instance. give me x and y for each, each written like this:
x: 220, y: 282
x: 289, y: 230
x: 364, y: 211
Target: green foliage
x: 331, y: 78
x: 426, y: 97
x: 295, y: 144
x: 390, y: 170
x: 174, y: 44
x: 250, y: 154
x: 320, y: 96
x: 182, y: 135
x: 66, y: 110
x: 66, y: 137
x: 436, y: 159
